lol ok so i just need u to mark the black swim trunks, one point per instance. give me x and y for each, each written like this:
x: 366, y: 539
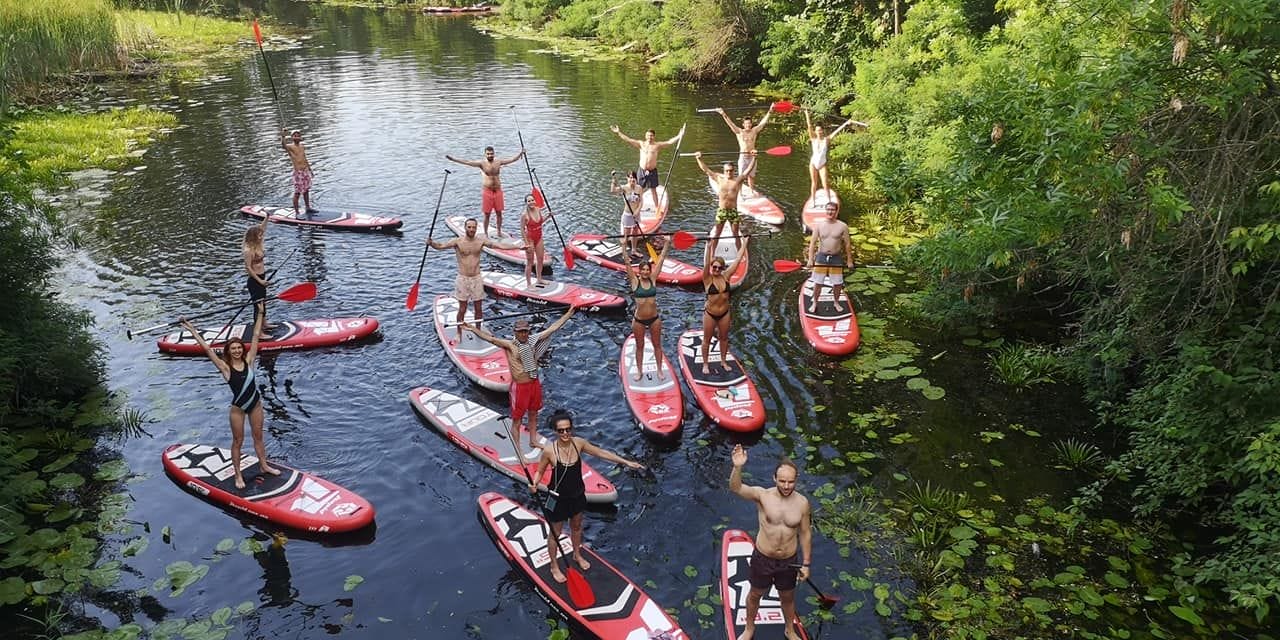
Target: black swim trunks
x: 771, y: 572
x: 648, y: 179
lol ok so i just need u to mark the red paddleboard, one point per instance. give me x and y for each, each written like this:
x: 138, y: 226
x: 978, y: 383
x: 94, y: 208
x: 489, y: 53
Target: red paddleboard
x: 648, y: 216
x: 608, y: 253
x: 618, y: 608
x: 342, y: 220
x: 815, y: 208
x: 755, y: 204
x: 735, y: 569
x: 729, y: 397
x: 656, y: 403
x: 294, y: 498
x: 294, y: 334
x: 514, y: 256
x: 831, y: 330
x: 484, y: 363
x: 512, y: 285
x: 481, y: 432
x: 728, y: 250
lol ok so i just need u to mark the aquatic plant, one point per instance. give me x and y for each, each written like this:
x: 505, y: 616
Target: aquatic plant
x: 1077, y: 454
x: 41, y: 39
x: 935, y: 502
x: 1021, y: 365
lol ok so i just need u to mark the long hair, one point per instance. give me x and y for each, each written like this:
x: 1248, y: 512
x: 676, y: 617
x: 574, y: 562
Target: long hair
x: 226, y: 351
x: 253, y: 238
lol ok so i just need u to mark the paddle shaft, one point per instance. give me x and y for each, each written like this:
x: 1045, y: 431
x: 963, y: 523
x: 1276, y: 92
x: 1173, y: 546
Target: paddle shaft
x: 275, y: 94
x: 269, y: 276
x: 502, y: 317
x: 206, y: 314
x: 534, y: 183
x: 672, y: 166
x: 411, y: 301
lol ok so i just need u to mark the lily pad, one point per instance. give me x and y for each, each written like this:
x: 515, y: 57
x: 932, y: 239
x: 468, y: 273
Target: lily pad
x: 67, y: 481
x: 112, y: 471
x: 352, y: 582
x: 183, y: 574
x: 888, y: 374
x: 60, y: 463
x: 916, y: 384
x: 909, y: 372
x: 245, y: 607
x: 48, y: 586
x: 12, y: 590
x: 933, y: 393
x: 972, y: 342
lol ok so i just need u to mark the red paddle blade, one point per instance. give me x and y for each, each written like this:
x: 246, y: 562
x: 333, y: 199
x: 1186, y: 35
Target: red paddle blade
x: 683, y: 239
x: 568, y: 258
x: 783, y: 106
x: 579, y: 590
x: 300, y: 292
x: 538, y: 200
x: 785, y: 266
x: 781, y: 150
x: 827, y: 602
x: 411, y: 301
x: 257, y: 33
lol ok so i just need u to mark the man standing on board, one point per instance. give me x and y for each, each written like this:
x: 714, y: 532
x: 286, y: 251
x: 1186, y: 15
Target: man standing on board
x: 469, y: 285
x: 784, y: 526
x: 746, y: 135
x: 490, y: 185
x: 727, y: 188
x: 523, y: 355
x: 830, y: 238
x: 649, y: 148
x: 292, y: 143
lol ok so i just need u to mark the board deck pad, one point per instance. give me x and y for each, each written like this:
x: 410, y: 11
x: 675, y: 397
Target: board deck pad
x: 326, y: 218
x: 608, y: 253
x: 482, y: 432
x: 294, y: 498
x: 815, y: 208
x: 753, y: 204
x: 293, y: 334
x: 482, y: 362
x: 621, y: 610
x: 647, y: 215
x: 726, y: 394
x: 830, y: 330
x: 657, y: 404
x: 515, y: 256
x: 512, y: 285
x: 735, y: 569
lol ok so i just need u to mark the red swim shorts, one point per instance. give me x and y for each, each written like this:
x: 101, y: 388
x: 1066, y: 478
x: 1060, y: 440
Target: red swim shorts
x: 525, y: 397
x: 491, y: 200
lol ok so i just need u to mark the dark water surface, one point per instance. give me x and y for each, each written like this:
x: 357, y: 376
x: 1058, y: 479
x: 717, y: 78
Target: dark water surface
x: 382, y: 97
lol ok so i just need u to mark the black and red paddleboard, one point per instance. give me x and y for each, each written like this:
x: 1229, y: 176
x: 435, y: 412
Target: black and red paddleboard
x: 340, y: 220
x: 294, y: 498
x: 512, y: 285
x: 293, y: 334
x: 735, y: 567
x: 656, y: 402
x: 617, y: 608
x: 482, y: 362
x: 608, y: 253
x: 815, y: 208
x: 481, y: 432
x: 727, y: 396
x: 755, y: 204
x: 727, y: 249
x: 830, y: 329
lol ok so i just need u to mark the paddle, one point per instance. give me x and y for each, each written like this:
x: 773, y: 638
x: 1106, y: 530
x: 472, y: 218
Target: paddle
x: 781, y: 106
x: 780, y: 150
x: 227, y: 327
x: 411, y: 301
x: 300, y: 292
x: 504, y: 317
x: 579, y: 589
x: 257, y: 35
x: 824, y: 600
x: 539, y: 198
x: 670, y: 167
x: 787, y: 266
x: 683, y: 239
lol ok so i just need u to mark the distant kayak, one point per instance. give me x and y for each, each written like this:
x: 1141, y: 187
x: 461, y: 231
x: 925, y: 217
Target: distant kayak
x: 484, y: 363
x: 657, y: 404
x: 608, y: 253
x: 293, y: 334
x: 512, y: 285
x: 328, y: 219
x: 831, y: 330
x: 755, y: 204
x: 728, y: 397
x: 815, y: 208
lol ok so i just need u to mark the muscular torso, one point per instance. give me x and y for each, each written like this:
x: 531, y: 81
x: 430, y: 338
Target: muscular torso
x: 468, y: 252
x: 747, y: 139
x: 649, y: 156
x: 831, y: 236
x: 489, y: 170
x: 297, y: 155
x: 780, y: 520
x: 727, y: 190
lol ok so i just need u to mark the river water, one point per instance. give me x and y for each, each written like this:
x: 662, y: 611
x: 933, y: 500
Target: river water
x: 382, y: 97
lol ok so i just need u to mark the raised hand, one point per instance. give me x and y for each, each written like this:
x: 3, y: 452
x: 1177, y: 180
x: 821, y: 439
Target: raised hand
x: 739, y: 456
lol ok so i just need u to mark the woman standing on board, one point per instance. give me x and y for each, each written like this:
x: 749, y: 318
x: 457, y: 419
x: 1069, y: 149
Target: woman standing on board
x: 644, y: 288
x: 631, y: 193
x: 531, y: 222
x: 715, y: 316
x: 254, y: 251
x: 821, y: 144
x: 236, y: 367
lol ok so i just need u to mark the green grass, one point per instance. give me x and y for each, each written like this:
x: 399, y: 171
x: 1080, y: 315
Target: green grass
x: 40, y: 38
x: 182, y: 38
x: 55, y: 143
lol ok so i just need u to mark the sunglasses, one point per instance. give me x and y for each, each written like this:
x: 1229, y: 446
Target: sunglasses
x: 564, y: 429
x: 717, y: 267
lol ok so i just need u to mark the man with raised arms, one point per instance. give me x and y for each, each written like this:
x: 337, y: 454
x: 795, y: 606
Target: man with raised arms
x: 830, y: 238
x: 490, y: 185
x: 784, y: 528
x: 727, y: 188
x: 649, y: 148
x: 523, y: 354
x: 292, y: 143
x: 469, y: 285
x: 746, y: 135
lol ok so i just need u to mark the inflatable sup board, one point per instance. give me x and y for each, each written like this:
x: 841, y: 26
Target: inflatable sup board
x: 657, y: 404
x: 482, y: 362
x: 512, y: 285
x: 295, y: 334
x: 831, y: 330
x: 327, y: 219
x: 735, y: 569
x: 608, y: 253
x: 755, y: 204
x: 728, y: 397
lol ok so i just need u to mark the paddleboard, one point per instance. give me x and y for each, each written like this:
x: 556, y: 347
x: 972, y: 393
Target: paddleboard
x: 326, y: 218
x: 482, y: 362
x: 617, y: 609
x: 514, y: 256
x: 656, y: 403
x: 608, y: 254
x: 647, y: 215
x: 729, y: 397
x: 735, y: 585
x: 831, y: 330
x: 512, y: 285
x: 293, y: 334
x: 754, y: 204
x: 294, y: 498
x: 482, y: 432
x: 728, y: 250
x: 815, y: 208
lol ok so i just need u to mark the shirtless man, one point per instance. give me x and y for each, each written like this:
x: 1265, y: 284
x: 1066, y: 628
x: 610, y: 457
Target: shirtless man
x: 469, y: 286
x: 490, y: 185
x: 784, y: 526
x: 727, y: 188
x: 746, y: 135
x: 649, y: 148
x: 830, y: 238
x: 292, y: 143
x: 523, y: 355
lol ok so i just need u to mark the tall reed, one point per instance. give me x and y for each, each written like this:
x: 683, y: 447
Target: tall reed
x: 40, y: 38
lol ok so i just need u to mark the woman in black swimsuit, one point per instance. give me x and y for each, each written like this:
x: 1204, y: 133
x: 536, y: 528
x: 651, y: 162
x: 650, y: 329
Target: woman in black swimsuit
x: 236, y: 367
x: 644, y: 288
x: 715, y: 316
x: 567, y: 497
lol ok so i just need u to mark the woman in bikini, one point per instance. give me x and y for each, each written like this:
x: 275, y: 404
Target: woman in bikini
x: 715, y: 315
x: 644, y: 288
x: 821, y: 144
x: 236, y: 367
x: 535, y: 252
x: 631, y: 195
x: 254, y: 251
